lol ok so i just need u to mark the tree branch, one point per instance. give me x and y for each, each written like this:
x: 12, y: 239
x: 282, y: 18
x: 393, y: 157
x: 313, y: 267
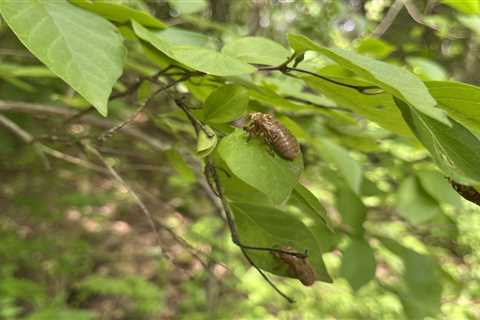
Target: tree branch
x: 39, y: 109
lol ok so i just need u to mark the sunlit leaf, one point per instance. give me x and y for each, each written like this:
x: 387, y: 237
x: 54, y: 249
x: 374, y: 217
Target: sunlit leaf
x: 86, y: 51
x: 461, y: 100
x: 251, y: 162
x: 198, y: 58
x: 119, y: 13
x: 257, y: 50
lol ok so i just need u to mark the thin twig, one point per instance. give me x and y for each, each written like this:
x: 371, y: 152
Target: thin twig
x: 197, y: 125
x: 130, y: 90
x: 29, y: 108
x: 42, y: 149
x: 233, y: 229
x: 107, y: 134
x: 387, y: 21
x: 130, y: 191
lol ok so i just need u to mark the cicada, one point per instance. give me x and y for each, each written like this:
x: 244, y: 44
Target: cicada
x: 298, y: 268
x: 279, y: 138
x: 467, y: 192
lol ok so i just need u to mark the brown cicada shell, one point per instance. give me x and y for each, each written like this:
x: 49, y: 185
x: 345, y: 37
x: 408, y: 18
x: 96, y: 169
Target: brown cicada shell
x: 275, y: 134
x: 298, y: 268
x: 467, y: 192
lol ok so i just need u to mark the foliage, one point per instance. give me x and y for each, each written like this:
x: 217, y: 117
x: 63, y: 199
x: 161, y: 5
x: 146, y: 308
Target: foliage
x: 130, y: 216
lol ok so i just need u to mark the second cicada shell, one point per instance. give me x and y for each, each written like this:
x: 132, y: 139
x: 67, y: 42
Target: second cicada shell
x: 298, y: 268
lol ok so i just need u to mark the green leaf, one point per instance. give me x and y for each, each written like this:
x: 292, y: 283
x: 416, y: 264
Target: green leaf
x: 374, y: 47
x: 427, y: 69
x: 61, y: 313
x: 235, y: 189
x: 316, y: 215
x: 454, y: 149
x: 470, y: 21
x: 226, y: 104
x: 352, y: 210
x: 257, y: 50
x: 379, y: 108
x: 184, y: 171
x: 348, y: 168
x: 269, y: 227
x: 422, y: 276
x: 461, y: 100
x: 465, y: 6
x: 206, y: 143
x: 414, y: 203
x: 195, y: 57
x: 393, y: 79
x: 80, y: 47
x: 188, y: 7
x: 437, y: 186
x: 251, y: 162
x: 358, y: 264
x: 179, y: 36
x: 119, y: 13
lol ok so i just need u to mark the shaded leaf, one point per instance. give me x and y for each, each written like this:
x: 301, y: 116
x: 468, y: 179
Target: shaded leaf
x: 86, y: 51
x: 316, y: 216
x: 422, y: 276
x: 358, y: 263
x: 226, y: 104
x: 454, y: 149
x: 352, y: 210
x: 257, y: 50
x: 438, y: 187
x: 379, y: 108
x: 414, y: 203
x: 251, y: 162
x: 348, y: 168
x: 269, y: 227
x: 393, y: 79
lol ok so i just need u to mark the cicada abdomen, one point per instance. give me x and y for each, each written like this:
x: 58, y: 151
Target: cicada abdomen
x: 279, y: 138
x: 298, y: 268
x: 467, y: 192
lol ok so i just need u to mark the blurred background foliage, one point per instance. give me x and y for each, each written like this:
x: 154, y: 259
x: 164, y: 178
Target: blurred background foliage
x: 74, y: 246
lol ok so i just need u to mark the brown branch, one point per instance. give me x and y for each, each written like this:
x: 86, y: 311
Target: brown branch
x: 39, y: 109
x: 43, y: 149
